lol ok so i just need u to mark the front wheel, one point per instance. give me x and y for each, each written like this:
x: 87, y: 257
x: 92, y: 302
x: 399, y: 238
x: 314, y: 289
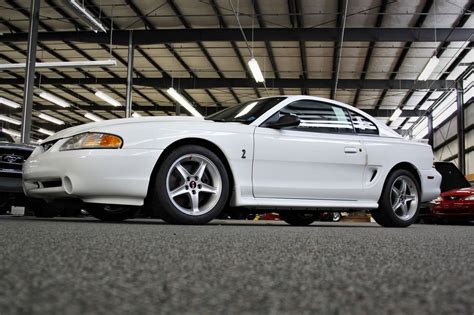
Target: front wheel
x: 298, y: 218
x: 400, y: 201
x: 191, y: 186
x: 113, y: 213
x: 336, y: 217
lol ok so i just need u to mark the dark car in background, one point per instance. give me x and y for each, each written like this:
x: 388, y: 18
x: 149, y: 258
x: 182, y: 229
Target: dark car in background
x: 12, y: 157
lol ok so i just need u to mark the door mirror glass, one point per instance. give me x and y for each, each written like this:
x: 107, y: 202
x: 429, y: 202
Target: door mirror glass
x: 285, y: 121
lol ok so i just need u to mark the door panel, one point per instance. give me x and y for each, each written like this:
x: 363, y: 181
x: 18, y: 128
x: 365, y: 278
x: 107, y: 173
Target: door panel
x: 307, y: 165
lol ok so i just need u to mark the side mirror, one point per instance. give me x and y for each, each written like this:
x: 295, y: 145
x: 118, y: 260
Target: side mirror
x: 285, y: 121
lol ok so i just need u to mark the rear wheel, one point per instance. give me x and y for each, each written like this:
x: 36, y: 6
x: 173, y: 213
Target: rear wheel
x: 400, y: 201
x: 191, y: 186
x: 336, y: 216
x: 298, y: 218
x: 114, y: 213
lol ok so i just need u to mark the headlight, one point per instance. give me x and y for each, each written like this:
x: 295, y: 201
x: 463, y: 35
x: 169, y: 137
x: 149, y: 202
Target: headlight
x: 471, y: 197
x: 92, y: 141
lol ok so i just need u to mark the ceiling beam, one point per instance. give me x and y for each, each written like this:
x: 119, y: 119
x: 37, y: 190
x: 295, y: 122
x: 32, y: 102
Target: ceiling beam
x: 210, y: 83
x: 166, y: 36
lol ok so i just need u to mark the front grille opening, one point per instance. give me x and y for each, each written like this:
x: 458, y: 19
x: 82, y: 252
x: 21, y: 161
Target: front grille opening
x: 52, y: 183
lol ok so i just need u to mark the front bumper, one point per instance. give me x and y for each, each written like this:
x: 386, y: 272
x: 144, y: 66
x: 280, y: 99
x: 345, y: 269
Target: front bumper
x: 95, y: 176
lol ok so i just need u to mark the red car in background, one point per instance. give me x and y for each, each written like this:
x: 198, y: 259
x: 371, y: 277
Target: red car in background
x: 456, y: 202
x: 455, y: 206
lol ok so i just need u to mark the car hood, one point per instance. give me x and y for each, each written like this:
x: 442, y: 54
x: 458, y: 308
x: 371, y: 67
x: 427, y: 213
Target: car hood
x: 463, y: 192
x: 69, y: 132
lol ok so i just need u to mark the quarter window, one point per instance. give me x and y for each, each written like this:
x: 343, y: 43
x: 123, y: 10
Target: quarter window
x: 362, y: 125
x: 319, y: 117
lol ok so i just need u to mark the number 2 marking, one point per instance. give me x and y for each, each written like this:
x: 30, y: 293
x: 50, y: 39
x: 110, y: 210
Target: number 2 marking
x: 243, y: 153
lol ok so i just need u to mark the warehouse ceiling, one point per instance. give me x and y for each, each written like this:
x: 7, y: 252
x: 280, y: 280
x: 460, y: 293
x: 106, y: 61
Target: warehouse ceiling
x: 318, y: 48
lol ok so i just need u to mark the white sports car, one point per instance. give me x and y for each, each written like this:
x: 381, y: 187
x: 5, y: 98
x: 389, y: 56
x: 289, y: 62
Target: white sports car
x: 292, y: 154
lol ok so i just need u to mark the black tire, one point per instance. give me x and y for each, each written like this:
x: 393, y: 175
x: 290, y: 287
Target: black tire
x: 167, y: 210
x: 298, y: 218
x: 111, y: 213
x: 385, y: 215
x: 5, y: 209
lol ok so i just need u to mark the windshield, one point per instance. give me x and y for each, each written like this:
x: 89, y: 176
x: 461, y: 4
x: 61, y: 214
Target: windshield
x: 246, y: 112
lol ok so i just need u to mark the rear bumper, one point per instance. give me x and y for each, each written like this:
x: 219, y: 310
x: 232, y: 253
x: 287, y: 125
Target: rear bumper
x: 93, y: 176
x: 430, y: 184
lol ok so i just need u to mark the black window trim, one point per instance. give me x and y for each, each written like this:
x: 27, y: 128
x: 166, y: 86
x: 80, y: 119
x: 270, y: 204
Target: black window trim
x: 262, y: 125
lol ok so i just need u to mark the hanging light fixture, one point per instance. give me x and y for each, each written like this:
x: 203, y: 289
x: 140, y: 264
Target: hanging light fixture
x: 51, y: 119
x: 62, y: 64
x: 11, y: 132
x: 92, y: 117
x: 395, y: 114
x: 46, y: 131
x: 429, y: 68
x: 256, y: 72
x: 107, y: 98
x: 91, y: 20
x: 9, y: 103
x: 182, y: 101
x: 54, y: 99
x: 10, y: 120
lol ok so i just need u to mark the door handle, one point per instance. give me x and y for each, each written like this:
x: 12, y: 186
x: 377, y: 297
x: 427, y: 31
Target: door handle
x: 350, y: 150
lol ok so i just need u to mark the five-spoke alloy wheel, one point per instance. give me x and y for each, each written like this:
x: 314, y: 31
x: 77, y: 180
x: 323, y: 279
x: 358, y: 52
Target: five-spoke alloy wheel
x: 192, y: 186
x: 400, y: 201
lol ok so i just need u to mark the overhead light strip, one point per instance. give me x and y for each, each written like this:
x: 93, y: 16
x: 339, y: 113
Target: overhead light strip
x: 46, y: 131
x: 9, y: 103
x: 395, y: 114
x: 428, y: 69
x: 182, y: 101
x: 51, y: 119
x: 10, y: 120
x: 92, y: 117
x: 54, y: 99
x: 92, y: 21
x: 10, y: 132
x: 107, y: 98
x: 63, y: 64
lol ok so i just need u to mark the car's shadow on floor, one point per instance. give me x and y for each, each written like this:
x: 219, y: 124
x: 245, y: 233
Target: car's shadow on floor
x: 217, y: 222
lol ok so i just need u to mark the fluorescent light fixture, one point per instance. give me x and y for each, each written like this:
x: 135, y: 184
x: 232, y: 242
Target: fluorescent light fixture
x: 10, y: 120
x: 136, y: 115
x: 92, y: 21
x: 107, y: 98
x: 54, y: 99
x: 11, y: 132
x: 184, y: 102
x: 9, y: 103
x: 51, y: 119
x: 63, y: 64
x: 255, y: 69
x: 428, y: 69
x: 395, y: 114
x: 92, y: 117
x: 46, y: 131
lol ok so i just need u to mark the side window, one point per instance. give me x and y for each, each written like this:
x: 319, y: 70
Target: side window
x: 319, y: 117
x: 362, y: 125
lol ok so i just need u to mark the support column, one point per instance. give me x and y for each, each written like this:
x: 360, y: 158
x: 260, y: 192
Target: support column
x: 460, y: 127
x: 430, y: 129
x: 131, y: 49
x: 30, y: 72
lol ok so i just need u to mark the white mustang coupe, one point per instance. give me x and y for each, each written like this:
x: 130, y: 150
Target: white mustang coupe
x: 290, y: 154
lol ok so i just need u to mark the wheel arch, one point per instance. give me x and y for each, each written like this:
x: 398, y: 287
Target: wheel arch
x: 404, y: 166
x: 190, y: 141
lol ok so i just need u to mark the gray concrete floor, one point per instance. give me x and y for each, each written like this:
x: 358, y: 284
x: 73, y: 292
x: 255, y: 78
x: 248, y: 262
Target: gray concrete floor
x: 83, y: 266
